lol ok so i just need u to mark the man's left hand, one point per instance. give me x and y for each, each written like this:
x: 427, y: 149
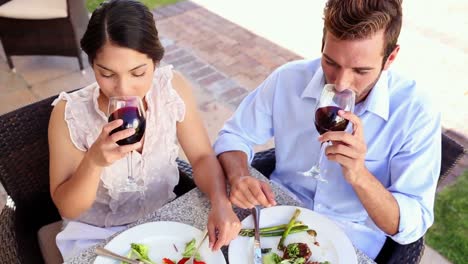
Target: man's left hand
x: 349, y: 150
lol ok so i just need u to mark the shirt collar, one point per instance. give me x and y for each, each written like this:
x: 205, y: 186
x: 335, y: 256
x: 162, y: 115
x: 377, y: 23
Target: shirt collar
x: 377, y: 102
x: 315, y: 86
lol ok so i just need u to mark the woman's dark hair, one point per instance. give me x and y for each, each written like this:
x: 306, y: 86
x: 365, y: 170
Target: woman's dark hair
x: 126, y: 23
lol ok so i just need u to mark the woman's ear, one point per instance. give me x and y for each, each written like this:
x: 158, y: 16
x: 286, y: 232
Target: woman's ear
x: 391, y: 58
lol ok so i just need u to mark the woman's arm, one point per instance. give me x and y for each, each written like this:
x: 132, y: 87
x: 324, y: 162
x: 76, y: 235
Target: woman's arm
x: 208, y: 173
x: 193, y: 138
x: 74, y: 174
x: 73, y: 178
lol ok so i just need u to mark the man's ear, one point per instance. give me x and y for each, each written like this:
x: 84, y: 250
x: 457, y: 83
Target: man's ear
x: 391, y: 58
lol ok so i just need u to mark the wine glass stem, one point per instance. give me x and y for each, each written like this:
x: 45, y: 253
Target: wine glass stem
x: 322, y: 153
x: 130, y: 167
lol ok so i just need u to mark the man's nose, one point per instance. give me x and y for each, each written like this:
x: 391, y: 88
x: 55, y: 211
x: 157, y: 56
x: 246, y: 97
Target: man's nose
x: 343, y: 80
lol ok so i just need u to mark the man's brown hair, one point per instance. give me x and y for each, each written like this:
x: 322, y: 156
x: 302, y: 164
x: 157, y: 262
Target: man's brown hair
x: 360, y: 19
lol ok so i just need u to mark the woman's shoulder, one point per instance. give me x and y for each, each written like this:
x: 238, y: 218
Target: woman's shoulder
x: 171, y: 90
x: 76, y: 111
x: 65, y: 101
x: 167, y: 80
x: 163, y: 73
x: 180, y: 83
x: 85, y: 94
x: 57, y: 115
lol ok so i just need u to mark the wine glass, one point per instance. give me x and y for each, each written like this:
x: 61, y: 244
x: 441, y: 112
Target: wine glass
x: 130, y: 110
x: 327, y: 119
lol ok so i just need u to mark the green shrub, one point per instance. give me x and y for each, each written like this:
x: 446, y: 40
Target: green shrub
x: 92, y: 4
x: 449, y: 234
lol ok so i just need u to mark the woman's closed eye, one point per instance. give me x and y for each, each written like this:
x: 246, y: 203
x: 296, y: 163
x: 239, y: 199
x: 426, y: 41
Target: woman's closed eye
x: 138, y: 74
x: 107, y: 75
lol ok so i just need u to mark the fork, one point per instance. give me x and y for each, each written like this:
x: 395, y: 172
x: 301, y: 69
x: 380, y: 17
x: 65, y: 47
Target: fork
x: 191, y: 259
x: 107, y: 253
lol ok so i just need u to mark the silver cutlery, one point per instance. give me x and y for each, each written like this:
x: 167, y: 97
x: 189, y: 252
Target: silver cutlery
x: 107, y: 253
x: 190, y: 260
x: 257, y: 250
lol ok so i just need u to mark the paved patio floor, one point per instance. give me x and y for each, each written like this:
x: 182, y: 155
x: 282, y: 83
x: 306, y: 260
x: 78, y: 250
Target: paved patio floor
x: 225, y: 59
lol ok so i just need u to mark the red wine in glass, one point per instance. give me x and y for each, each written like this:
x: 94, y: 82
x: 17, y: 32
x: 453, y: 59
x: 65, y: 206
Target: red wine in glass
x: 130, y: 109
x: 327, y: 119
x: 132, y: 118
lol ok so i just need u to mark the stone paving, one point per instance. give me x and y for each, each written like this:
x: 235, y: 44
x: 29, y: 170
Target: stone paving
x: 235, y: 52
x: 222, y: 60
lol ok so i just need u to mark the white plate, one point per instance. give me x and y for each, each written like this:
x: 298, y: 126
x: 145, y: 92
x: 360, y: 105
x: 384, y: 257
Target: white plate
x: 161, y: 238
x: 335, y: 246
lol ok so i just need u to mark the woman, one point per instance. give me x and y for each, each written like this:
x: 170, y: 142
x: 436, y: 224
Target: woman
x: 86, y: 163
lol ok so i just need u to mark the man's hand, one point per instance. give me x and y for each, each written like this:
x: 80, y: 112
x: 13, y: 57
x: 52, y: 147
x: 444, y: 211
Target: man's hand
x: 223, y: 225
x: 349, y: 150
x: 247, y: 191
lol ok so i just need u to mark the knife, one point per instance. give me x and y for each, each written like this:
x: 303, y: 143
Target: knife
x: 257, y: 250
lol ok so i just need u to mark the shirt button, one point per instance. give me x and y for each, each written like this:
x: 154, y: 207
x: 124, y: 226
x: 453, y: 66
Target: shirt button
x: 319, y: 206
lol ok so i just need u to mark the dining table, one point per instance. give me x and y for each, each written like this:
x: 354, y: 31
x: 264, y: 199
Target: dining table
x: 192, y: 209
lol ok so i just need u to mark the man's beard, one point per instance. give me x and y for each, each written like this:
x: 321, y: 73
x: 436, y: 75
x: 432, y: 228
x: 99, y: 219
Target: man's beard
x: 361, y: 97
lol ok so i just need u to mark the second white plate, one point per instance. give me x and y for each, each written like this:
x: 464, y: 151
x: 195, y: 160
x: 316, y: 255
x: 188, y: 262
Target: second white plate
x: 335, y: 246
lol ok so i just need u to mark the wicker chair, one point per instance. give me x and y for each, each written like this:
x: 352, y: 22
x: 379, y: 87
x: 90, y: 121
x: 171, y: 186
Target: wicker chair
x: 26, y: 30
x: 392, y: 252
x: 24, y: 172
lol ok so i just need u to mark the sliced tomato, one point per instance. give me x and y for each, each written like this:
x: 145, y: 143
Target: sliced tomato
x: 182, y: 261
x: 167, y: 261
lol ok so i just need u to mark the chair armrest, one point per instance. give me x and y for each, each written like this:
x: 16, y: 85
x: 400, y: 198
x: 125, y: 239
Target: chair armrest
x: 452, y: 152
x: 265, y: 162
x: 8, y: 248
x: 394, y: 253
x: 186, y: 182
x: 185, y: 167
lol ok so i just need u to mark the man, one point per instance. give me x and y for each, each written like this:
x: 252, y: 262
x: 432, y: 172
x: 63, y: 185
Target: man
x: 382, y: 172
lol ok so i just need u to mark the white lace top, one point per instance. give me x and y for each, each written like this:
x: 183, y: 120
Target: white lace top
x: 155, y: 167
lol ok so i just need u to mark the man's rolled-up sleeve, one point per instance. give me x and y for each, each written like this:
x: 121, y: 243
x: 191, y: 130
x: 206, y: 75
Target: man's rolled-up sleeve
x: 415, y: 172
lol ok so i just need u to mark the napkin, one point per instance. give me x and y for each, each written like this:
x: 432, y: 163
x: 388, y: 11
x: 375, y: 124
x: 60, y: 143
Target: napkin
x: 76, y: 237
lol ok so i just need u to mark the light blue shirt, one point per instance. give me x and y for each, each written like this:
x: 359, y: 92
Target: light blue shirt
x: 403, y: 137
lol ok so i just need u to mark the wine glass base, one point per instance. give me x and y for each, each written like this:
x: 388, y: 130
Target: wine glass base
x: 315, y: 173
x: 131, y: 187
x: 320, y: 178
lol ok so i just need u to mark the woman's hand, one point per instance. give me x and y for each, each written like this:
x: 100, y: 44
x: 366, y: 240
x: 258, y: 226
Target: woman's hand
x: 105, y: 149
x: 223, y: 225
